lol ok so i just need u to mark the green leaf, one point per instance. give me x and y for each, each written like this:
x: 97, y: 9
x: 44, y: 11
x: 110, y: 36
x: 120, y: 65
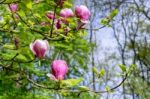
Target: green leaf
x: 107, y: 88
x: 83, y: 88
x: 12, y: 76
x: 9, y: 55
x: 131, y: 69
x: 114, y: 13
x: 71, y: 82
x: 102, y: 72
x: 29, y: 4
x: 9, y: 46
x: 95, y: 70
x: 67, y: 4
x: 21, y: 13
x: 21, y: 57
x: 122, y: 67
x: 105, y: 22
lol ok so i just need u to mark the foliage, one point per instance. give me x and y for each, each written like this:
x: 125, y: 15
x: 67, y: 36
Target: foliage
x: 18, y: 64
x: 23, y: 75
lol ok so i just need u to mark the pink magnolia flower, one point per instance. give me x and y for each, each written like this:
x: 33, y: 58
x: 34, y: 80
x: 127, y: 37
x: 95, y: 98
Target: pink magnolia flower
x: 66, y: 13
x: 13, y: 7
x: 59, y: 22
x: 59, y: 69
x: 83, y: 13
x: 39, y: 48
x: 50, y: 15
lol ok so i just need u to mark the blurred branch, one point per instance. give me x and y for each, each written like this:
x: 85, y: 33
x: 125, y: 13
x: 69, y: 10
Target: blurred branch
x: 142, y: 10
x: 78, y: 91
x: 52, y: 26
x: 94, y: 29
x: 112, y: 89
x: 70, y: 90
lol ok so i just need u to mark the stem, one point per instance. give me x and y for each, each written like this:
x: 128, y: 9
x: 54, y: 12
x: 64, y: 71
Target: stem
x: 52, y: 27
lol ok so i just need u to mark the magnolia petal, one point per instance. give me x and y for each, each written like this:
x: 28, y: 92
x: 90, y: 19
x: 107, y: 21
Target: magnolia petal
x: 13, y: 7
x: 82, y: 12
x: 85, y: 21
x: 51, y: 76
x: 39, y: 47
x: 47, y: 45
x: 66, y: 13
x: 59, y: 69
x: 31, y: 48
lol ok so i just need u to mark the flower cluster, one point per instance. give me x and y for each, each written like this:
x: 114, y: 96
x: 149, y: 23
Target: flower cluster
x: 82, y: 13
x: 39, y: 48
x: 59, y: 67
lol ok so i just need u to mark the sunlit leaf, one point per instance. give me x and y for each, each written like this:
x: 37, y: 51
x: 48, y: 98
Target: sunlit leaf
x: 102, y: 72
x: 114, y: 13
x: 9, y: 46
x: 29, y: 4
x: 71, y: 82
x: 95, y: 70
x: 122, y: 67
x: 83, y: 88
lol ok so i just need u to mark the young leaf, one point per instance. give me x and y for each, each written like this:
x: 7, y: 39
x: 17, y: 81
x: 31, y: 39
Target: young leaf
x: 102, y: 72
x: 131, y: 68
x: 21, y: 57
x: 27, y: 3
x: 9, y: 46
x: 71, y: 82
x: 83, y: 88
x: 122, y: 67
x: 107, y: 88
x: 114, y: 13
x: 104, y: 21
x: 95, y: 70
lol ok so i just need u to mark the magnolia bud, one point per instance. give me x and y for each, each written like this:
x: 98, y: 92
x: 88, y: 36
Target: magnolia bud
x: 13, y: 7
x: 16, y: 42
x: 39, y: 48
x: 58, y: 23
x: 66, y: 13
x: 59, y: 69
x: 83, y: 13
x: 50, y: 15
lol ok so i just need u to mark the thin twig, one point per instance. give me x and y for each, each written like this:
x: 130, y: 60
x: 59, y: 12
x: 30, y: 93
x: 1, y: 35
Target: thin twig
x: 94, y: 29
x: 52, y: 26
